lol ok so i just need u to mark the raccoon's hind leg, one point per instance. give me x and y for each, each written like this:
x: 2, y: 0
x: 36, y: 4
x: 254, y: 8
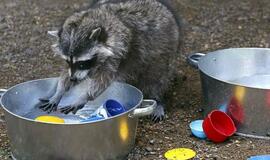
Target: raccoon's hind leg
x: 154, y: 91
x: 158, y: 114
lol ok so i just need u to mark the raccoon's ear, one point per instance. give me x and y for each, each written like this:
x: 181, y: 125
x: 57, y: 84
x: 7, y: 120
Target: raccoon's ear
x: 53, y: 33
x: 95, y: 33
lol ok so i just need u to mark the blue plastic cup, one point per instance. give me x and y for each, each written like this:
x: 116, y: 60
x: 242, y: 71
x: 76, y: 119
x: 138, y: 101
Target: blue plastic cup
x: 259, y: 157
x: 197, y: 129
x: 113, y: 107
x: 109, y: 108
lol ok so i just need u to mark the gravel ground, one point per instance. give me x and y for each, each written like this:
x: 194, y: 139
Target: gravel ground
x: 208, y: 25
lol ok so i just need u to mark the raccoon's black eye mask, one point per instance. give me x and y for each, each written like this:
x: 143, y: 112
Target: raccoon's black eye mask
x: 82, y: 65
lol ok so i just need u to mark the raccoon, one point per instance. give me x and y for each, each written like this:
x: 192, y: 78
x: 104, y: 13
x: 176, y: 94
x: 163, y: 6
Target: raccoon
x: 131, y: 41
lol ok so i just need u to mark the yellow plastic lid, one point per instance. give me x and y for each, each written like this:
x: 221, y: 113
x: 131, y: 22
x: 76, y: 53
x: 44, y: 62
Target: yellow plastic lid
x: 180, y: 154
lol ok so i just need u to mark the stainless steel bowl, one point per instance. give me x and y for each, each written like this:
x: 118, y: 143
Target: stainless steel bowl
x: 109, y: 139
x: 237, y: 81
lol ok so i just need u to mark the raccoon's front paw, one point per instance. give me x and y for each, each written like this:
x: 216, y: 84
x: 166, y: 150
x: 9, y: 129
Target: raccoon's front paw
x: 48, y: 105
x: 158, y: 114
x: 71, y: 108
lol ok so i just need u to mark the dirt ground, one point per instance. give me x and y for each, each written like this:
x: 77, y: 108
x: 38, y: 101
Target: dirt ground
x: 208, y: 25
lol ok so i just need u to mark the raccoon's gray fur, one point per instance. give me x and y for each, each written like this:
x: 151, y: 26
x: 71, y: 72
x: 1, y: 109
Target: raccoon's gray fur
x: 133, y: 41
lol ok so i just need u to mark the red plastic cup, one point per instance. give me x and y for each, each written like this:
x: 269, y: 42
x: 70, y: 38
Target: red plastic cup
x: 218, y: 126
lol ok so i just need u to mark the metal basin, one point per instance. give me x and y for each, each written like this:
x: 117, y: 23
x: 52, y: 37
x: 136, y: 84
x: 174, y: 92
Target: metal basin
x: 110, y: 139
x: 237, y: 81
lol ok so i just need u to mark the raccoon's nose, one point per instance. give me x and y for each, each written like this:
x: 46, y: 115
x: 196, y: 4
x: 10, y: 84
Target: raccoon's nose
x: 73, y: 79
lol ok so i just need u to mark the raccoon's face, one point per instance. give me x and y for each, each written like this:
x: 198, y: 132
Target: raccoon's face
x: 83, y: 49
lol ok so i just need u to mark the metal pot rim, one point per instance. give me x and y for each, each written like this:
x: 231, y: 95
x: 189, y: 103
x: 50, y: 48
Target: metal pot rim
x: 226, y: 81
x: 82, y: 123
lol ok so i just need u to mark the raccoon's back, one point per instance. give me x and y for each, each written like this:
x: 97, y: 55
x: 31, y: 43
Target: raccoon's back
x: 154, y: 40
x: 149, y: 20
x: 155, y: 37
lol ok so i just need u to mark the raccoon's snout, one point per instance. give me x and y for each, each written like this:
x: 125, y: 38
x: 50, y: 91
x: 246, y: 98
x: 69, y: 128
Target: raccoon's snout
x: 73, y: 78
x: 78, y: 75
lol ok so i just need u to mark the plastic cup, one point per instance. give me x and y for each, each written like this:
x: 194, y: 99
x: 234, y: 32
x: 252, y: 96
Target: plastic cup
x: 218, y: 126
x: 260, y: 157
x: 196, y: 129
x: 113, y: 107
x: 109, y: 108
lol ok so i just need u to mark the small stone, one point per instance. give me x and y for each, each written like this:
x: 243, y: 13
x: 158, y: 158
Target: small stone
x: 2, y: 19
x: 153, y: 153
x: 208, y: 155
x: 251, y: 147
x: 3, y: 26
x: 13, y: 60
x: 149, y: 149
x: 200, y: 110
x: 33, y: 39
x: 242, y: 18
x: 152, y: 141
x: 7, y: 65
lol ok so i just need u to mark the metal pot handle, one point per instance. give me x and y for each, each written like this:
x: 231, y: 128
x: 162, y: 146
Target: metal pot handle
x: 193, y: 59
x: 147, y: 108
x: 2, y: 91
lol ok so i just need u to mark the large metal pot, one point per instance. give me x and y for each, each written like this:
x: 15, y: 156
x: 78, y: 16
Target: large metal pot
x: 237, y: 81
x: 110, y: 139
